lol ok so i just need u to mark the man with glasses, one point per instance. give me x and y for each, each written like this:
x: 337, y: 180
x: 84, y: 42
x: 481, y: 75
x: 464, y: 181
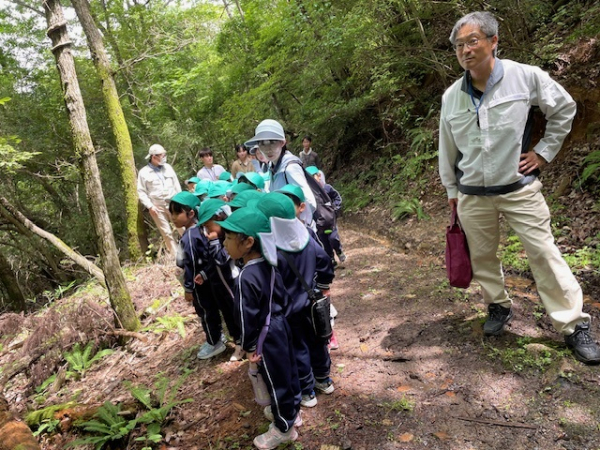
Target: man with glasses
x: 488, y: 168
x: 284, y: 166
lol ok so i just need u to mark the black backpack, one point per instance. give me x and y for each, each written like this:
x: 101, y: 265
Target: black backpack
x: 324, y: 215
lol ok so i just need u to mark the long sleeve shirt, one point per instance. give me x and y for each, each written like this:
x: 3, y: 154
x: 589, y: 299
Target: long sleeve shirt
x: 157, y: 185
x: 481, y: 139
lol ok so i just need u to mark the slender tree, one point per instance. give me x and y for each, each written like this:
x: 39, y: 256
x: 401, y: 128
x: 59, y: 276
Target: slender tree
x: 117, y: 121
x: 84, y: 148
x: 8, y: 210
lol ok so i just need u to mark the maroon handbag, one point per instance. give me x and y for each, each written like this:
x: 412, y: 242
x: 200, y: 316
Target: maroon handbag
x: 458, y: 261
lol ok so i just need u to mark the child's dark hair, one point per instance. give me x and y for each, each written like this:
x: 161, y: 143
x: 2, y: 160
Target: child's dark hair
x: 307, y: 138
x: 206, y: 151
x: 296, y: 200
x: 178, y: 208
x: 240, y: 148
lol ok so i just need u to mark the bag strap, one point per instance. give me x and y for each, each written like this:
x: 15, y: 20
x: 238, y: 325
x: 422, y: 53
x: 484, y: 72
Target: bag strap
x: 265, y: 329
x: 290, y: 262
x: 454, y: 218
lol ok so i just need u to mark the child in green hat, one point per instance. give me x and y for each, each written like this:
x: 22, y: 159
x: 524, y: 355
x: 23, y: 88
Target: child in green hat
x: 260, y: 302
x: 225, y: 271
x: 193, y: 256
x: 298, y: 254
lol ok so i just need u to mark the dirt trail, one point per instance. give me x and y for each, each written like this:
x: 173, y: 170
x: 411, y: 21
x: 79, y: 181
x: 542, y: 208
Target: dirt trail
x: 413, y: 370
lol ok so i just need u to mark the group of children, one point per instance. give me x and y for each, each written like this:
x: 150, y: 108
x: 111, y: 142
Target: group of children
x: 248, y: 256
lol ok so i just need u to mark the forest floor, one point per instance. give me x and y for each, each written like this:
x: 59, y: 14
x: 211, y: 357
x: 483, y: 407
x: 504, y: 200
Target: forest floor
x: 413, y: 370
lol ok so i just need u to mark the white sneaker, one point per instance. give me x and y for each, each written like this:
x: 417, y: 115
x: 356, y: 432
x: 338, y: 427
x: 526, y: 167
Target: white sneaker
x: 268, y: 412
x: 207, y: 351
x: 325, y: 386
x: 238, y: 354
x: 309, y: 400
x: 273, y: 438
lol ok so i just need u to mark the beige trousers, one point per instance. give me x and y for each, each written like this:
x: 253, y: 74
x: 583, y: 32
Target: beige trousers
x: 527, y: 214
x: 163, y: 223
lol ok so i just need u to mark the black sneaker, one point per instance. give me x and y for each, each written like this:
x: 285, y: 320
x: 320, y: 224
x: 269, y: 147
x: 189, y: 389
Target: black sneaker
x: 583, y: 345
x: 497, y: 317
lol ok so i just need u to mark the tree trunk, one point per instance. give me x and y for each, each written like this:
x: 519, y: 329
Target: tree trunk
x: 117, y: 122
x: 14, y: 434
x: 10, y: 282
x: 89, y: 266
x: 57, y: 274
x: 84, y: 148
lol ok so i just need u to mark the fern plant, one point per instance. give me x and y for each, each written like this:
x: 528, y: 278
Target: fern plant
x: 405, y: 208
x: 81, y: 360
x: 107, y: 426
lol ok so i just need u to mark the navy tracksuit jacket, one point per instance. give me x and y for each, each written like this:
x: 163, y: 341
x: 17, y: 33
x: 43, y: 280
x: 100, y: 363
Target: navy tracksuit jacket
x: 196, y: 255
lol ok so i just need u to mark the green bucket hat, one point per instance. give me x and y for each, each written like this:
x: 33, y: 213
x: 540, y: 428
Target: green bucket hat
x: 254, y: 179
x: 186, y: 199
x: 241, y: 187
x: 195, y: 180
x: 276, y: 204
x: 242, y: 198
x: 225, y: 176
x: 209, y: 208
x: 312, y: 170
x: 202, y: 187
x: 248, y: 221
x: 294, y: 190
x: 219, y: 189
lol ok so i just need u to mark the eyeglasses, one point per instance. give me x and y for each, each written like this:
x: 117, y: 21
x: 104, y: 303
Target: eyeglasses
x: 471, y: 43
x: 267, y: 143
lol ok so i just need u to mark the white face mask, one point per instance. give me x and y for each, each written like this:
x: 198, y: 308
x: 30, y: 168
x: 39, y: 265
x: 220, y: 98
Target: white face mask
x: 163, y: 160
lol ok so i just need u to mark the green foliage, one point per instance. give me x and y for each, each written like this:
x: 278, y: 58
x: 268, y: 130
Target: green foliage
x: 592, y: 167
x: 522, y: 359
x: 48, y: 426
x: 513, y: 255
x: 81, y: 360
x: 168, y: 324
x: 404, y: 404
x: 46, y: 415
x: 405, y: 208
x: 108, y: 426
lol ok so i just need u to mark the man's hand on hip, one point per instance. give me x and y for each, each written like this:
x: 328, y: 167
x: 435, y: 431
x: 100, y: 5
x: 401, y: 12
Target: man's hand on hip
x: 531, y: 161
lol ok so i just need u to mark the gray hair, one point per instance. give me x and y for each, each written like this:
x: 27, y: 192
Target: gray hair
x: 486, y: 22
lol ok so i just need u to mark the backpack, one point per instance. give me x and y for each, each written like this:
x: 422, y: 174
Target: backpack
x: 324, y: 215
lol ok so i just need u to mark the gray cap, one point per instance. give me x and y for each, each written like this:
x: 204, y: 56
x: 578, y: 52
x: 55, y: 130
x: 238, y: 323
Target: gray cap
x: 267, y: 130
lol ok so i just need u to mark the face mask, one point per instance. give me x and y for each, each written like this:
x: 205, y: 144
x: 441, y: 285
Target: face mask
x: 163, y: 160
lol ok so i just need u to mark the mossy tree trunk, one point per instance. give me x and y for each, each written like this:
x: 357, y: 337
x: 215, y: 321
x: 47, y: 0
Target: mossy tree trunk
x: 117, y: 122
x: 120, y: 298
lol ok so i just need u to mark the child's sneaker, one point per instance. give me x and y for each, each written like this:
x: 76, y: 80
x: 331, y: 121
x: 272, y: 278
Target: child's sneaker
x: 309, y: 400
x: 325, y: 386
x: 238, y: 354
x: 273, y: 438
x: 342, y: 257
x: 333, y: 342
x: 207, y: 351
x: 268, y: 412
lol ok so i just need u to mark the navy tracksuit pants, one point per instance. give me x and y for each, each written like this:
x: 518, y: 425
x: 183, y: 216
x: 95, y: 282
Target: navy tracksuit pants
x: 278, y: 368
x: 210, y: 302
